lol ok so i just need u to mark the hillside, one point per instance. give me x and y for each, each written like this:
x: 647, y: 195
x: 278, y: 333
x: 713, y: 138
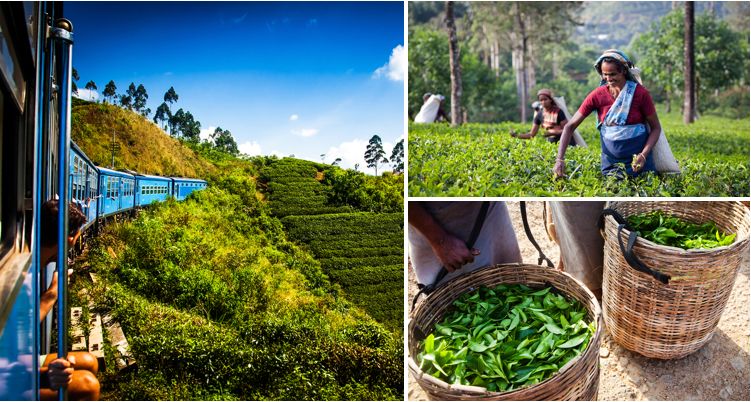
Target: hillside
x: 144, y: 147
x: 222, y: 297
x: 359, y: 242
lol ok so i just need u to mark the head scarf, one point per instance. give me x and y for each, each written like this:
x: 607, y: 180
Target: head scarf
x: 632, y: 73
x: 545, y: 92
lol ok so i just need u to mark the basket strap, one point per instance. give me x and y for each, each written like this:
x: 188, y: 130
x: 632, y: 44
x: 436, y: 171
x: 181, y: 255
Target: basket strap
x: 633, y: 261
x: 473, y: 235
x: 611, y: 212
x: 541, y: 257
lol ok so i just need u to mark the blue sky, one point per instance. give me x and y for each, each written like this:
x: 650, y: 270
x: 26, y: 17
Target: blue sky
x: 286, y: 78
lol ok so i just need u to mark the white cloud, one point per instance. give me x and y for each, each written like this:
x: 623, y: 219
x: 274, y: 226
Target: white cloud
x: 306, y: 132
x: 250, y: 148
x: 353, y: 152
x: 205, y: 133
x: 86, y: 94
x: 293, y: 117
x: 396, y: 68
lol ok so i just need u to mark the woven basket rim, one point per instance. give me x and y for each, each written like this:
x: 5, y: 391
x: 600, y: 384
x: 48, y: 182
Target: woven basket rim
x: 415, y: 368
x: 643, y: 242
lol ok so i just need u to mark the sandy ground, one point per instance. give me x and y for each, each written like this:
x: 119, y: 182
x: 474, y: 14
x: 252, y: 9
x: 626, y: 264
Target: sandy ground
x: 718, y: 371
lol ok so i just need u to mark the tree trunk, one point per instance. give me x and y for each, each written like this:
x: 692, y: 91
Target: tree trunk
x: 455, y: 67
x: 689, y: 88
x: 519, y: 38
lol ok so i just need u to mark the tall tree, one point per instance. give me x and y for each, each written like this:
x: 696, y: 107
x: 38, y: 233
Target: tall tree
x: 170, y: 97
x: 689, y: 76
x: 454, y: 66
x: 131, y: 94
x: 126, y: 101
x: 224, y: 142
x: 397, y: 157
x: 110, y: 91
x: 190, y: 128
x: 73, y: 85
x: 374, y: 153
x: 720, y: 57
x: 175, y: 122
x: 140, y: 98
x: 91, y: 86
x: 162, y: 115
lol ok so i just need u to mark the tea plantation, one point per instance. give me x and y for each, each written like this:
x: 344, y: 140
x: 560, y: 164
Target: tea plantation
x: 484, y: 160
x: 217, y: 305
x: 360, y: 250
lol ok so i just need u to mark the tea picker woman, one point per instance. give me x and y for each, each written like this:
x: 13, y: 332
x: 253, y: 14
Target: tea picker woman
x: 549, y: 116
x: 624, y: 108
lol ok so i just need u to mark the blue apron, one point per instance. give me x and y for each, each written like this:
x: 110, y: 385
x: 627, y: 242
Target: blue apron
x: 620, y: 142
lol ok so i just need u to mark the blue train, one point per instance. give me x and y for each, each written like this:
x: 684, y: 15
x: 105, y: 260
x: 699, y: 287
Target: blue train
x: 39, y: 162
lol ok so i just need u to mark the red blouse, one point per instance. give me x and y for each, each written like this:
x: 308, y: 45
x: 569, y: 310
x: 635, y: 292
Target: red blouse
x: 601, y: 100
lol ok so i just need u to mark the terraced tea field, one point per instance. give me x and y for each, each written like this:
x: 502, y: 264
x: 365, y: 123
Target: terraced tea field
x: 484, y: 160
x: 361, y: 251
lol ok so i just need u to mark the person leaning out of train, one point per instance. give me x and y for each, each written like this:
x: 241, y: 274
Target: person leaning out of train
x: 76, y: 372
x: 549, y: 116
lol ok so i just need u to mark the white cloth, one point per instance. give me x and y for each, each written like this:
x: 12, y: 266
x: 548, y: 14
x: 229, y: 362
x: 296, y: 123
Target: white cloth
x: 429, y: 110
x: 496, y: 241
x: 579, y: 239
x: 561, y: 103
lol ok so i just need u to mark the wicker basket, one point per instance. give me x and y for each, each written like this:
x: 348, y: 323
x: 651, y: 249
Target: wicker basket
x: 669, y: 321
x: 578, y: 380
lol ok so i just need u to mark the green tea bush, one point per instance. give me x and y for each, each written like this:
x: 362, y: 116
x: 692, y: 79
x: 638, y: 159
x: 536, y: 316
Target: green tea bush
x: 216, y: 309
x: 484, y: 160
x: 318, y: 207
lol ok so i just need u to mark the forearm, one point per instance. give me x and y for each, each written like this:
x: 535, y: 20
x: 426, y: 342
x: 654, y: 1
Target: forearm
x: 566, y: 135
x: 46, y: 303
x: 426, y: 224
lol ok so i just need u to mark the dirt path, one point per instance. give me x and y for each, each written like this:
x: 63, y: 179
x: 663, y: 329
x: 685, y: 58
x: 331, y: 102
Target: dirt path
x: 718, y: 371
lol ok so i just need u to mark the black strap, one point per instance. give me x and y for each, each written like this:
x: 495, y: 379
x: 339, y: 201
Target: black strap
x: 628, y: 249
x: 473, y: 235
x: 528, y: 231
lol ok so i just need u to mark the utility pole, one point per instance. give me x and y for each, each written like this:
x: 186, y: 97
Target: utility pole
x: 114, y: 148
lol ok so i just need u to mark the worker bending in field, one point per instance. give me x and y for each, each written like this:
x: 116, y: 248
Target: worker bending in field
x: 549, y: 116
x: 441, y: 236
x: 432, y: 109
x: 76, y: 372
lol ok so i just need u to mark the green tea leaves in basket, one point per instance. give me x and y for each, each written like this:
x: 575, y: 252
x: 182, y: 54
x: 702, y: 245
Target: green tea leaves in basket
x: 668, y: 230
x: 506, y: 338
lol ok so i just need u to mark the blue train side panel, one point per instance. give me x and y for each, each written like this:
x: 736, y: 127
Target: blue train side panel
x: 84, y: 183
x: 116, y: 191
x: 150, y: 189
x: 182, y: 187
x: 17, y: 350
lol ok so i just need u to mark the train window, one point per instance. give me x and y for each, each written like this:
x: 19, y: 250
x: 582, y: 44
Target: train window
x: 9, y: 65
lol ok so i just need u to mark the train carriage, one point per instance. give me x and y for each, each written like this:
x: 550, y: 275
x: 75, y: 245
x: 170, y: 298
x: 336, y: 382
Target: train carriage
x: 182, y: 187
x: 150, y: 189
x: 116, y: 192
x: 84, y: 183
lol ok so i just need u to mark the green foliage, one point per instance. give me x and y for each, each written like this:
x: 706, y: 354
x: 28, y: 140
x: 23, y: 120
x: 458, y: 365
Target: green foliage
x: 223, y: 141
x: 506, y: 338
x: 360, y: 251
x: 721, y: 56
x: 483, y: 160
x: 665, y: 229
x: 217, y: 304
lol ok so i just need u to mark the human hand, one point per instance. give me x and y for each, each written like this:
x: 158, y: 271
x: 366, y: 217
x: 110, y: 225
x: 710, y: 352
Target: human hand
x: 60, y: 372
x: 559, y: 170
x: 453, y: 253
x: 637, y: 163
